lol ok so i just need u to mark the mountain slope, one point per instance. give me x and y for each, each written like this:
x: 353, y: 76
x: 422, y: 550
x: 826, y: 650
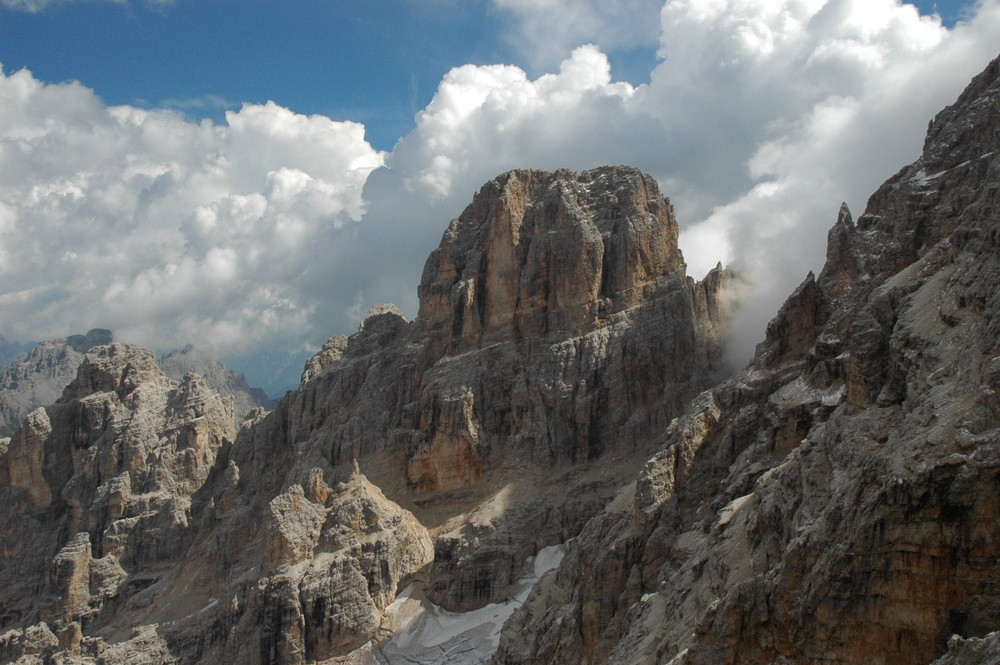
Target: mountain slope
x: 837, y: 501
x: 39, y: 379
x: 179, y: 362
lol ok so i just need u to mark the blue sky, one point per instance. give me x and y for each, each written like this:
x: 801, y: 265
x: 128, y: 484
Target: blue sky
x: 376, y: 61
x: 251, y: 176
x: 373, y: 61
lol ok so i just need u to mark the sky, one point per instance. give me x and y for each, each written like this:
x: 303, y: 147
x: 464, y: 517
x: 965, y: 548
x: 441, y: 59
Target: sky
x: 251, y: 176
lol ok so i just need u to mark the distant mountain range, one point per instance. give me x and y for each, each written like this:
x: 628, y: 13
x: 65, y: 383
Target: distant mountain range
x: 38, y: 378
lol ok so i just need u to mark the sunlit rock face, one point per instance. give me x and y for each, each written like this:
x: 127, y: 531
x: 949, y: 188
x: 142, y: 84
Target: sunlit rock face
x: 538, y: 251
x: 836, y: 502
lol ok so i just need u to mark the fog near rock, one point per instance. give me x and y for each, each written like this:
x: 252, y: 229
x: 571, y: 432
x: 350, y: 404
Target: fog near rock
x: 280, y: 230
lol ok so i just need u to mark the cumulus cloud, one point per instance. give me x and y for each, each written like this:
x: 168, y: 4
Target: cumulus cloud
x: 842, y: 92
x: 167, y: 230
x: 279, y: 229
x: 763, y: 117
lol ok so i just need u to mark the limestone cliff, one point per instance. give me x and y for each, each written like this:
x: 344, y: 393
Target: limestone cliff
x: 837, y: 501
x: 97, y: 490
x: 39, y: 379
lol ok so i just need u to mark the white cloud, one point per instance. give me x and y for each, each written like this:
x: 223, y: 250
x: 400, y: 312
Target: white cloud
x: 844, y: 90
x: 167, y: 230
x: 275, y: 229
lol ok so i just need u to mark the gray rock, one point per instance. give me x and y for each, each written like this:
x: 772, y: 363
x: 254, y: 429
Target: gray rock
x: 835, y: 502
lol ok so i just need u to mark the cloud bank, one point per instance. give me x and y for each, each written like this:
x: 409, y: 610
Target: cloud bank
x: 163, y: 229
x: 278, y: 229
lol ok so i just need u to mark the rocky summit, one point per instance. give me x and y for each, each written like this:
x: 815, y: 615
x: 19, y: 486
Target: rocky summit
x: 560, y: 403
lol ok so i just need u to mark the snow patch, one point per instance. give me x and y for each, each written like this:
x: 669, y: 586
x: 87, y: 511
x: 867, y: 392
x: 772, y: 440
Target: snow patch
x: 434, y: 636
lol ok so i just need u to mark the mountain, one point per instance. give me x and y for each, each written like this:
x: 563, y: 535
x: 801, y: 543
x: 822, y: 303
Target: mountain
x: 228, y: 383
x: 50, y: 366
x: 11, y: 351
x: 557, y: 336
x: 836, y: 501
x: 40, y: 378
x: 560, y: 403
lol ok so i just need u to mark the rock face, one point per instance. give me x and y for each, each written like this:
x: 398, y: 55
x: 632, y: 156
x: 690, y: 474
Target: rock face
x: 837, y: 501
x: 537, y: 252
x: 225, y: 381
x: 39, y: 379
x: 514, y: 372
x: 13, y: 351
x: 96, y: 493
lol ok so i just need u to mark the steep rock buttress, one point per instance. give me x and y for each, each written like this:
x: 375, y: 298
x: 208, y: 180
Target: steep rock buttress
x: 837, y: 501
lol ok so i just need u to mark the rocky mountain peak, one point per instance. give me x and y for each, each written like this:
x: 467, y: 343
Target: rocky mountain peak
x: 176, y: 364
x: 118, y: 368
x: 539, y: 251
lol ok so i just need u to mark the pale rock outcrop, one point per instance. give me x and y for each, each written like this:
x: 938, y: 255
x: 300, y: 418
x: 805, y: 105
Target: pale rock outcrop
x: 39, y: 379
x: 332, y: 350
x: 984, y: 651
x: 228, y: 383
x: 836, y: 501
x: 332, y: 561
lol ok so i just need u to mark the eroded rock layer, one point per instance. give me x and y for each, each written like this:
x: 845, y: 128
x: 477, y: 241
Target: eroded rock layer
x: 39, y: 378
